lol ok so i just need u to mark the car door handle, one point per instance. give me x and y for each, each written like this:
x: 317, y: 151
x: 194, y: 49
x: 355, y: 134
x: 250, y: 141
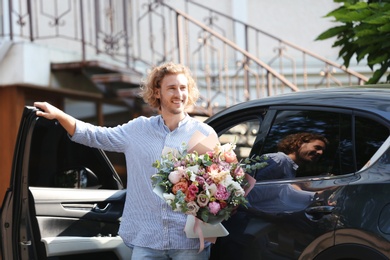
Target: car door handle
x: 98, y: 209
x: 317, y: 212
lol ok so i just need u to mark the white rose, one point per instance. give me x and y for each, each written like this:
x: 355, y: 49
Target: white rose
x: 227, y: 181
x: 212, y: 189
x: 238, y: 190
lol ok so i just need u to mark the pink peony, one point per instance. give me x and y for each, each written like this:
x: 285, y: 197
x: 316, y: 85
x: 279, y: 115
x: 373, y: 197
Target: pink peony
x: 214, y: 207
x: 222, y: 193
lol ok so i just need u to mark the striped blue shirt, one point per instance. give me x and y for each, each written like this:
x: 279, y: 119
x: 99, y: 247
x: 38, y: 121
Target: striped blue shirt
x: 147, y: 220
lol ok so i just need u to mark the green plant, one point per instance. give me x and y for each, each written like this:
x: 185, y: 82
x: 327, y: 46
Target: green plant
x: 364, y: 33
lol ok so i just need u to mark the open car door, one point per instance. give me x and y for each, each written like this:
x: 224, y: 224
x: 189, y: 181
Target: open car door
x: 64, y: 201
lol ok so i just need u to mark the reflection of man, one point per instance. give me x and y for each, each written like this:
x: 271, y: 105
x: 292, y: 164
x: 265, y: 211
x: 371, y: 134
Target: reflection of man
x: 293, y: 150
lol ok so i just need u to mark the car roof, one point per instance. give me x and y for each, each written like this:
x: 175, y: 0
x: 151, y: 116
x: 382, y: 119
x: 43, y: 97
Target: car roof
x: 369, y: 98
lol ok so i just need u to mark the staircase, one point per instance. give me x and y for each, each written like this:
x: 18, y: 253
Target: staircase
x: 119, y: 40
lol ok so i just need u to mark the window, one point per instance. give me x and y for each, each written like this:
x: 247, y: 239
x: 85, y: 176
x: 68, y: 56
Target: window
x: 370, y: 135
x: 336, y: 127
x: 56, y: 161
x: 345, y: 133
x: 244, y: 135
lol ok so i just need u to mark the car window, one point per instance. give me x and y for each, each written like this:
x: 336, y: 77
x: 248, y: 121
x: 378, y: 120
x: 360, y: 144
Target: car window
x: 56, y: 161
x: 336, y: 127
x: 370, y: 135
x: 345, y: 133
x: 244, y: 135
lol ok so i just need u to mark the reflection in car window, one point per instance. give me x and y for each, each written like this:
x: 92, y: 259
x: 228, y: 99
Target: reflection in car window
x: 335, y: 127
x: 244, y: 135
x: 339, y: 129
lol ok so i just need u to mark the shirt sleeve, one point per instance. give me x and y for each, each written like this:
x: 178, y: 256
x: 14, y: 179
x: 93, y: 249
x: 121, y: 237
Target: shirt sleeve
x: 114, y: 139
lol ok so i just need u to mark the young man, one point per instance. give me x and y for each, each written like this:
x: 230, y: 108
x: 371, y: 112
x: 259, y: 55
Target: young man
x: 148, y: 224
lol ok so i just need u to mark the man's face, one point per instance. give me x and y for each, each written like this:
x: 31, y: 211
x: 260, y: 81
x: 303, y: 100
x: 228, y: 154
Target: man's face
x: 311, y: 152
x: 173, y: 93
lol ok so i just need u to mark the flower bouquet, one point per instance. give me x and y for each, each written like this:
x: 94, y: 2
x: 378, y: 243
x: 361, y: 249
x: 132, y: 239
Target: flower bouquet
x: 207, y: 186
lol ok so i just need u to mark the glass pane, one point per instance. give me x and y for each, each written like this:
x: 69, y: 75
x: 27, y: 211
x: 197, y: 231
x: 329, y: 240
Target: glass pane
x: 56, y: 161
x: 244, y: 135
x: 370, y: 135
x: 336, y: 127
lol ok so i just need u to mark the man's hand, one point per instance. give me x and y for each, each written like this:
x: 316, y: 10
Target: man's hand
x: 48, y: 111
x: 51, y: 112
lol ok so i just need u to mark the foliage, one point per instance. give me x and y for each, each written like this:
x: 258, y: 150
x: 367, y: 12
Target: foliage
x: 364, y: 33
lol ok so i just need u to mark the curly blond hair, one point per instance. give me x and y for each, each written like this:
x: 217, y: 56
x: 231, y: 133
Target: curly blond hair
x: 156, y: 75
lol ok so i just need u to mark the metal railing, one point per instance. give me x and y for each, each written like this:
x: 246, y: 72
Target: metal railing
x: 141, y: 33
x: 288, y: 56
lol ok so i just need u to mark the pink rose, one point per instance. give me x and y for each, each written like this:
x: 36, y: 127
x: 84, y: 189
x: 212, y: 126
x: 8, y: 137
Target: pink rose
x: 210, y: 154
x: 230, y: 157
x: 239, y: 173
x: 214, y: 207
x: 201, y: 181
x: 191, y: 192
x: 193, y: 189
x: 189, y: 197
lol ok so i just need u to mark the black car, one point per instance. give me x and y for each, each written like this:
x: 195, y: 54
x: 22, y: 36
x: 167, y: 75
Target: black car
x: 65, y: 200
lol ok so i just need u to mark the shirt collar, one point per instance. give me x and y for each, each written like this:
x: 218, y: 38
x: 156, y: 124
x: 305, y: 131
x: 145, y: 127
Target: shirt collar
x: 182, y: 122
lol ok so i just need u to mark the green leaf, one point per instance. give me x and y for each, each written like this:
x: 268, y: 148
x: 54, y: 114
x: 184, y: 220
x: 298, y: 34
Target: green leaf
x: 377, y: 19
x: 356, y: 6
x: 332, y: 32
x: 384, y: 28
x: 376, y: 59
x: 365, y: 41
x: 353, y: 16
x: 376, y: 76
x: 365, y: 32
x: 361, y: 53
x: 343, y: 41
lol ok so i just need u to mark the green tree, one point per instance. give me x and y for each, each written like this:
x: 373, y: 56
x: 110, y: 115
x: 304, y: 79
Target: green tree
x: 364, y: 33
